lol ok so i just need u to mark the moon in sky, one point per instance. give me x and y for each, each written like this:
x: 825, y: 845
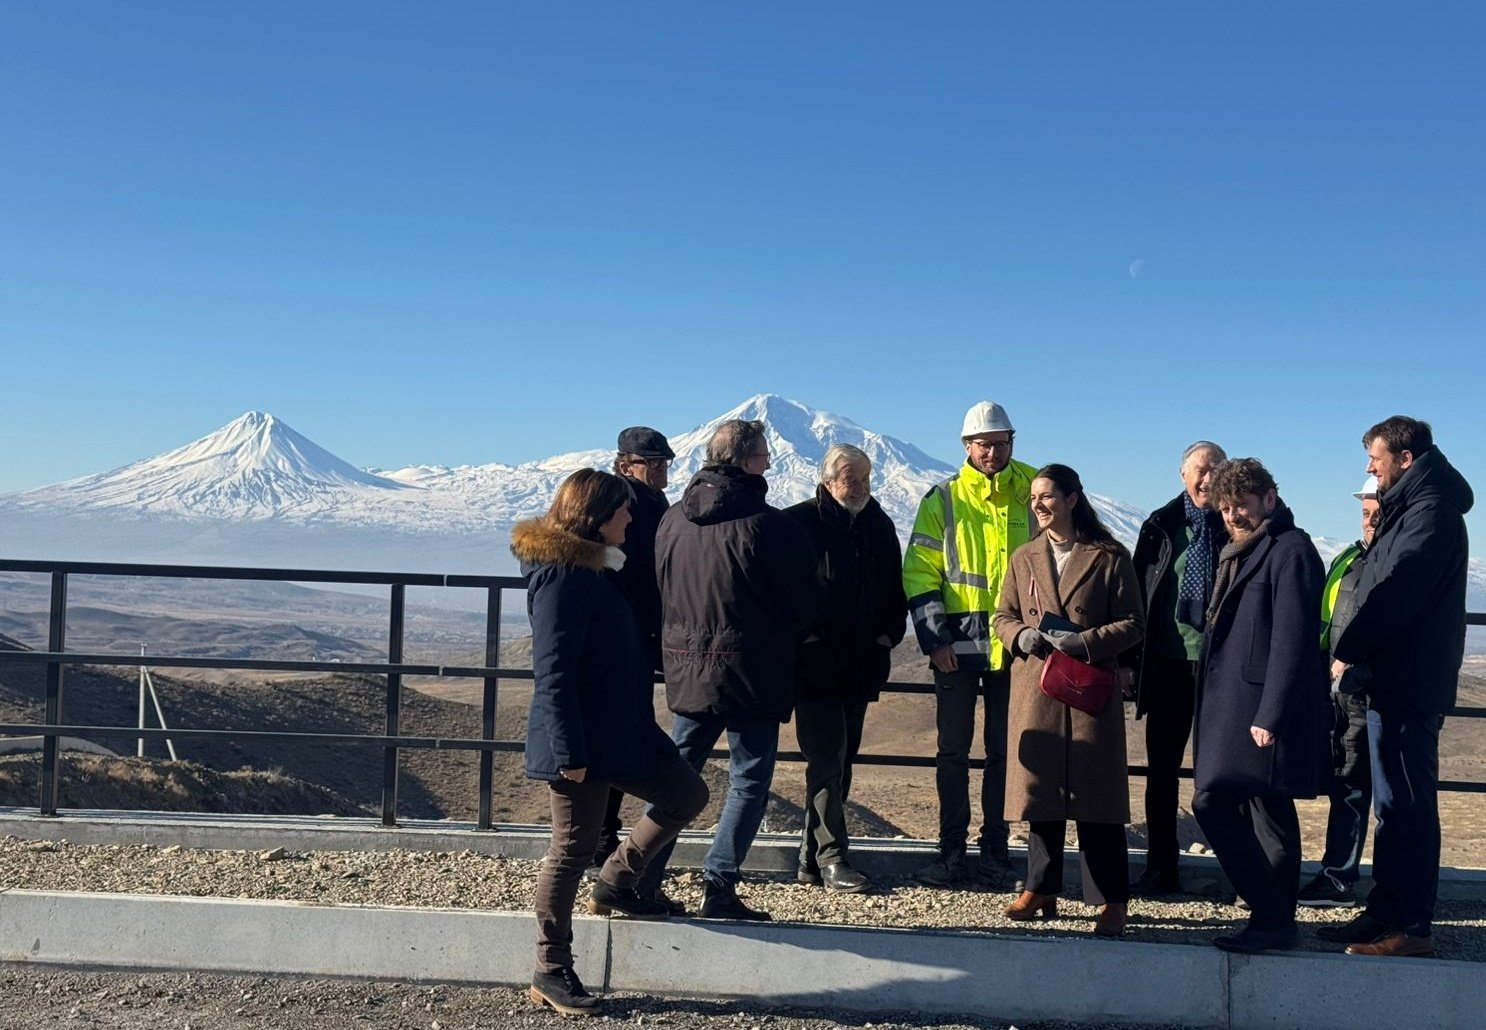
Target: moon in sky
x: 1135, y: 267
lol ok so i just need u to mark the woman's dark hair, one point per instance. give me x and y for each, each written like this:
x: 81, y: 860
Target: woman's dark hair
x: 1087, y: 528
x: 586, y: 500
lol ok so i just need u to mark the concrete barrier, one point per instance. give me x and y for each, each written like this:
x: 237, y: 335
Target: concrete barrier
x: 866, y: 970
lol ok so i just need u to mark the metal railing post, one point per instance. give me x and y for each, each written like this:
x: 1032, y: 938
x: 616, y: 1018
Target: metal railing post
x: 394, y: 705
x: 487, y: 706
x: 56, y: 641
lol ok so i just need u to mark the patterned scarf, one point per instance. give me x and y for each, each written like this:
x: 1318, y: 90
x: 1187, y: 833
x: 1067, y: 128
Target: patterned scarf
x: 1195, y: 589
x: 1231, y: 559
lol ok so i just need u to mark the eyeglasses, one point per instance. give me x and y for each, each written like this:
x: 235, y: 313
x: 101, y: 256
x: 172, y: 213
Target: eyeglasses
x: 992, y: 445
x: 654, y: 463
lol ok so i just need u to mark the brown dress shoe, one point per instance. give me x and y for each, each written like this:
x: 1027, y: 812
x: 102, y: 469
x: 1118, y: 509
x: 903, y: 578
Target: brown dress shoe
x: 1396, y: 945
x: 1029, y: 906
x: 1112, y: 919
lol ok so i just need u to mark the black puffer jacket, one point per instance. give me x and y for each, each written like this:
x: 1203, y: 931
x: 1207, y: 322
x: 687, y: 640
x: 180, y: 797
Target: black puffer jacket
x: 738, y: 590
x: 859, y: 563
x: 1409, y: 627
x: 636, y: 581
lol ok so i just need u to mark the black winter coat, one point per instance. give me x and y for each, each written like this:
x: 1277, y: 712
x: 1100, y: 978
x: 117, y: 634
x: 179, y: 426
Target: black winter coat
x: 1409, y: 626
x: 637, y: 579
x: 859, y: 564
x: 738, y: 589
x: 591, y: 704
x: 1262, y: 666
x: 1155, y: 551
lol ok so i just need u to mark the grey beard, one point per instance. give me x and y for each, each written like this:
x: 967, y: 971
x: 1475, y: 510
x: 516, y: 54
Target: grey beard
x: 856, y: 507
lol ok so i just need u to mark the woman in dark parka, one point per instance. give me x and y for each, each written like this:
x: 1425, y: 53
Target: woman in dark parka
x: 591, y: 723
x: 1260, y: 738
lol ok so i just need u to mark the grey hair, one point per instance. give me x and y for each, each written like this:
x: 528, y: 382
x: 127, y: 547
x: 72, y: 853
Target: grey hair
x: 838, y: 454
x: 1198, y: 448
x: 734, y: 440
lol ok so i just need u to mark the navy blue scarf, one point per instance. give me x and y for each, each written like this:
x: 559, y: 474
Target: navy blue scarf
x: 1195, y: 589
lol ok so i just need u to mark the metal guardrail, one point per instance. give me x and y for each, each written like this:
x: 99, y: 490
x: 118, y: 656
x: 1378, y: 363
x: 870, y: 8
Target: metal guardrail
x: 56, y: 658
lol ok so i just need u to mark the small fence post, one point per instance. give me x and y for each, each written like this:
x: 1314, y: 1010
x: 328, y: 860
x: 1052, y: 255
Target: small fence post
x: 56, y: 642
x: 394, y: 705
x: 487, y: 708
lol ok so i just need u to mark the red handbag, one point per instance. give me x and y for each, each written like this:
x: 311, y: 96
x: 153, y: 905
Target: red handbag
x: 1077, y: 684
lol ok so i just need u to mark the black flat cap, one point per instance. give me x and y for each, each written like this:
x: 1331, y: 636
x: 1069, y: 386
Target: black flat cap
x: 646, y: 442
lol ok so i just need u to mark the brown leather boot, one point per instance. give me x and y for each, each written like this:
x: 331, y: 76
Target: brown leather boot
x: 1029, y: 906
x: 1112, y: 919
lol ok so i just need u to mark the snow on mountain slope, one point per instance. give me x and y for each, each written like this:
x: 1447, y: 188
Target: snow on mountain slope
x: 257, y: 470
x: 255, y: 467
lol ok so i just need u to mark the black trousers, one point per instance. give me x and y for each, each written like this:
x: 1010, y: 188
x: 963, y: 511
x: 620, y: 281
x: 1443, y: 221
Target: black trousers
x: 955, y: 694
x: 1351, y: 789
x: 1405, y: 750
x: 1168, y: 727
x: 1257, y: 841
x: 1104, y: 852
x: 830, y: 735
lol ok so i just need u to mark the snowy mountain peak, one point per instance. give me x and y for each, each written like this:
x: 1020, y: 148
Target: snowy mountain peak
x: 255, y: 467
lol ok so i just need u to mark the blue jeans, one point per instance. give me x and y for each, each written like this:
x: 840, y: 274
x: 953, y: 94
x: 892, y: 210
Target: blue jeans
x: 752, y: 748
x: 1405, y: 749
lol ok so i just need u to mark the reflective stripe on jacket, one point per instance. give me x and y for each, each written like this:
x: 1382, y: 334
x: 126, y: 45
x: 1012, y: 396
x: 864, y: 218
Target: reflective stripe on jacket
x: 963, y: 535
x: 1340, y: 565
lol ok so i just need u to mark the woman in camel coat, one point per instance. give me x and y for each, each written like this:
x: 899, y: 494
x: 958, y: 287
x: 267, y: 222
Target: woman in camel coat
x: 1063, y: 763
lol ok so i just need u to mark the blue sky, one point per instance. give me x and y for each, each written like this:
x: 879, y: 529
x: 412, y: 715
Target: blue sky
x: 475, y: 232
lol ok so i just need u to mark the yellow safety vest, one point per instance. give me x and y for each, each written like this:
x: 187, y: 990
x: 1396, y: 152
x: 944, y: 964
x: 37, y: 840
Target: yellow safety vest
x: 963, y: 535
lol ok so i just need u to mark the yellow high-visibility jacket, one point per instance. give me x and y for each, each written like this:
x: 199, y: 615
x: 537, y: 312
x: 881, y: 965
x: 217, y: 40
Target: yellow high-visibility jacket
x: 965, y: 531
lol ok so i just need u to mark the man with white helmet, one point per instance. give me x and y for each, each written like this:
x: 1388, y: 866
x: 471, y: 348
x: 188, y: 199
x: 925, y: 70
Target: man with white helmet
x: 965, y: 531
x: 1351, y: 774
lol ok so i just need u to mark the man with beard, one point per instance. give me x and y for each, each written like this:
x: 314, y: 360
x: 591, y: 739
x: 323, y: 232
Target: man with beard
x: 1351, y: 770
x: 846, y: 655
x: 1261, y: 702
x: 1409, y: 635
x: 963, y: 536
x: 643, y: 461
x: 1176, y: 557
x: 738, y: 589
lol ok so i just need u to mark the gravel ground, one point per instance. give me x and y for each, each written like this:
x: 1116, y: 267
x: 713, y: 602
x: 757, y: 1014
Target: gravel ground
x: 471, y: 880
x: 51, y: 998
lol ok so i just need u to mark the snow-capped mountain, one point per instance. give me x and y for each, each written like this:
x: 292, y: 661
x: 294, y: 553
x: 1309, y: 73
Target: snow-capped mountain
x: 255, y: 467
x: 798, y: 435
x: 256, y: 492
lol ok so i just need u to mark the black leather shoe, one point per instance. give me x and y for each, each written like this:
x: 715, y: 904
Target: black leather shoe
x: 608, y: 899
x: 843, y: 879
x: 809, y: 875
x: 1156, y: 883
x: 1360, y: 929
x: 724, y: 903
x: 1251, y: 941
x: 995, y: 871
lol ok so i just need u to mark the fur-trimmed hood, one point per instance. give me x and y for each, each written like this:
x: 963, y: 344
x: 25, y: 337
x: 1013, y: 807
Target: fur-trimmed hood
x: 538, y: 542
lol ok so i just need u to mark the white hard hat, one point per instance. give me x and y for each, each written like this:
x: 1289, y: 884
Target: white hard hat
x: 985, y: 417
x: 1369, y: 491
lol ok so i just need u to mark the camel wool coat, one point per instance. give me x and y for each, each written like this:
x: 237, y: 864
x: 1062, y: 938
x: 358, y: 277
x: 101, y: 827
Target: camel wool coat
x: 1062, y: 763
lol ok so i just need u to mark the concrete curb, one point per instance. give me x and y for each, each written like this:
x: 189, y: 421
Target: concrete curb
x: 1004, y: 977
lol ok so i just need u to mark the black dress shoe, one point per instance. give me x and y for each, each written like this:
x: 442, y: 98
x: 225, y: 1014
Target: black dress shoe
x: 842, y: 878
x: 809, y: 875
x: 1251, y: 941
x: 1156, y: 883
x: 724, y: 903
x: 1360, y: 929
